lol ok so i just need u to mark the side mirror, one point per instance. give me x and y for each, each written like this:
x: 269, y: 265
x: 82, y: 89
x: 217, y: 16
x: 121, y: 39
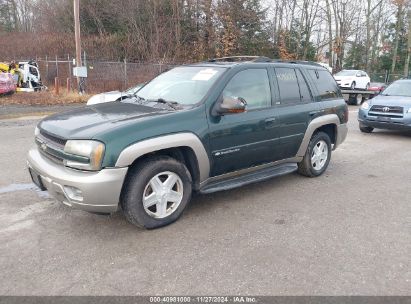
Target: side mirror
x: 358, y: 75
x: 229, y: 105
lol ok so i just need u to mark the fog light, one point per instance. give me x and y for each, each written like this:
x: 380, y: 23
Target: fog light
x: 73, y: 193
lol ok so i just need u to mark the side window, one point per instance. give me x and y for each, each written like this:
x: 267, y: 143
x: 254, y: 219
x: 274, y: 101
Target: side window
x: 304, y: 90
x: 253, y: 85
x: 288, y: 85
x: 325, y: 84
x: 33, y: 71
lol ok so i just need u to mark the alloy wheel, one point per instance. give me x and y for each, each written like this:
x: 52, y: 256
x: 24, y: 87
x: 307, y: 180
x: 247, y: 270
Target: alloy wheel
x: 319, y: 155
x: 163, y: 194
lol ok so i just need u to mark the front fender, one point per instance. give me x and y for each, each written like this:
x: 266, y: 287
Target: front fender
x: 131, y: 153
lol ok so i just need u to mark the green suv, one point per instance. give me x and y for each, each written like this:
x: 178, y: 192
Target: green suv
x: 201, y: 127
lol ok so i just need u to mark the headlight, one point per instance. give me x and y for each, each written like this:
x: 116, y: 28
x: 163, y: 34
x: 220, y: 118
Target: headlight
x: 36, y: 132
x: 365, y: 105
x: 409, y: 110
x: 88, y: 152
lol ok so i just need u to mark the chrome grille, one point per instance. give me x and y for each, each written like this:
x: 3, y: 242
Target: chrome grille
x: 51, y: 156
x: 51, y: 146
x: 52, y: 138
x: 387, y: 111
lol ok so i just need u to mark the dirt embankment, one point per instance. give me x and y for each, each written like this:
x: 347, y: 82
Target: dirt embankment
x: 42, y: 98
x: 38, y: 104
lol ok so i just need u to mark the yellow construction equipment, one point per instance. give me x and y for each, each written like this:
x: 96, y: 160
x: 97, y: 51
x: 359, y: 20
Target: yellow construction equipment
x: 13, y: 69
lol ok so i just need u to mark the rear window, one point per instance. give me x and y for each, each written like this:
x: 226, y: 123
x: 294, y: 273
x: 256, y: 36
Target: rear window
x: 288, y: 85
x: 292, y: 85
x: 325, y: 83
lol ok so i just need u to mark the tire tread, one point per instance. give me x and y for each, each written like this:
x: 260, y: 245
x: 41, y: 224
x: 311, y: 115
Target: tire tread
x: 137, y: 174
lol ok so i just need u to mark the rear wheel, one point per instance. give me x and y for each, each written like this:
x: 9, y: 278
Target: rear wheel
x: 156, y: 192
x: 355, y: 99
x: 359, y: 100
x: 317, y: 156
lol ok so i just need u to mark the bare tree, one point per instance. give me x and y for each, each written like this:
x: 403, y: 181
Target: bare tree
x: 408, y: 58
x: 399, y: 4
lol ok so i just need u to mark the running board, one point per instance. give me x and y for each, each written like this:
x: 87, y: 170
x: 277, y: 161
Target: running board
x: 249, y: 178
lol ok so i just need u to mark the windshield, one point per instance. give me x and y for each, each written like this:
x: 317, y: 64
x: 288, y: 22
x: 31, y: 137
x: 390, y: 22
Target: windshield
x: 346, y: 73
x: 185, y: 85
x: 399, y: 88
x: 135, y: 89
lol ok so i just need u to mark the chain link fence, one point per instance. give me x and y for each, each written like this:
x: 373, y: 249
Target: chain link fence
x: 106, y: 76
x: 102, y: 76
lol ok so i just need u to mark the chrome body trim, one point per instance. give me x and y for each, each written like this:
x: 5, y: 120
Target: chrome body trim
x: 131, y: 153
x: 100, y: 190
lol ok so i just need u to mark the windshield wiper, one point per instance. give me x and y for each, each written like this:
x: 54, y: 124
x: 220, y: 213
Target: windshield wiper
x: 139, y: 97
x: 171, y: 104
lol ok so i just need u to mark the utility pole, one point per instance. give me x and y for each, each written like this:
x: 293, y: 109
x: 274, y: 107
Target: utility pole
x: 78, y: 43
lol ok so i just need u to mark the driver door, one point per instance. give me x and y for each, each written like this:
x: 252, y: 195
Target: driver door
x: 248, y: 139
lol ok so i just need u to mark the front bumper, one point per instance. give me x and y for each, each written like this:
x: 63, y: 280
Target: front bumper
x: 344, y: 83
x: 100, y: 190
x: 392, y: 123
x: 342, y: 131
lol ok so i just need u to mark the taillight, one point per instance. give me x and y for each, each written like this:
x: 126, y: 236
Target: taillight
x: 346, y: 114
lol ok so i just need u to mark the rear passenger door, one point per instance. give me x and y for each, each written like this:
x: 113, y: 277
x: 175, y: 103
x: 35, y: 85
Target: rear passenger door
x: 295, y: 108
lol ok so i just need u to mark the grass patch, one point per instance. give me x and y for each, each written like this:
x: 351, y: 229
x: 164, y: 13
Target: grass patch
x: 42, y: 98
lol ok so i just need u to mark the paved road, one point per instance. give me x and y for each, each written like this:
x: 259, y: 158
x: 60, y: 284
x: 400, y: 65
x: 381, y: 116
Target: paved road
x: 345, y: 233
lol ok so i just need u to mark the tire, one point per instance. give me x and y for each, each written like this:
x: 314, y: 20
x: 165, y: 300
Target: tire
x: 359, y: 100
x: 307, y: 166
x: 366, y: 129
x: 353, y: 85
x: 352, y: 99
x: 138, y: 187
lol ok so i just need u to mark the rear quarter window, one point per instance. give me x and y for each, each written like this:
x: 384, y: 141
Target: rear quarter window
x: 325, y: 83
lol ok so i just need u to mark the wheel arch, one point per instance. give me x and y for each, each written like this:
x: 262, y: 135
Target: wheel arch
x: 327, y: 124
x: 185, y: 147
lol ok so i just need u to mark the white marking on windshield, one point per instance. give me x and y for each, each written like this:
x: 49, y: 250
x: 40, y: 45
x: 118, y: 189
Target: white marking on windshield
x: 205, y: 75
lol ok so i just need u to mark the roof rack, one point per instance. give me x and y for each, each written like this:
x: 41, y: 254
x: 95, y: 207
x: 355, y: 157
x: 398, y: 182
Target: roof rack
x: 241, y: 59
x: 298, y: 62
x: 262, y: 59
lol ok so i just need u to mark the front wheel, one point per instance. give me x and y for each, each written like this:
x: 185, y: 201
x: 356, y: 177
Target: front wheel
x: 317, y: 156
x: 366, y: 129
x: 156, y: 192
x: 353, y: 85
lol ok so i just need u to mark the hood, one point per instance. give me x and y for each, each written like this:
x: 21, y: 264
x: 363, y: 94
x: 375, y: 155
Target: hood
x: 400, y: 101
x: 86, y: 122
